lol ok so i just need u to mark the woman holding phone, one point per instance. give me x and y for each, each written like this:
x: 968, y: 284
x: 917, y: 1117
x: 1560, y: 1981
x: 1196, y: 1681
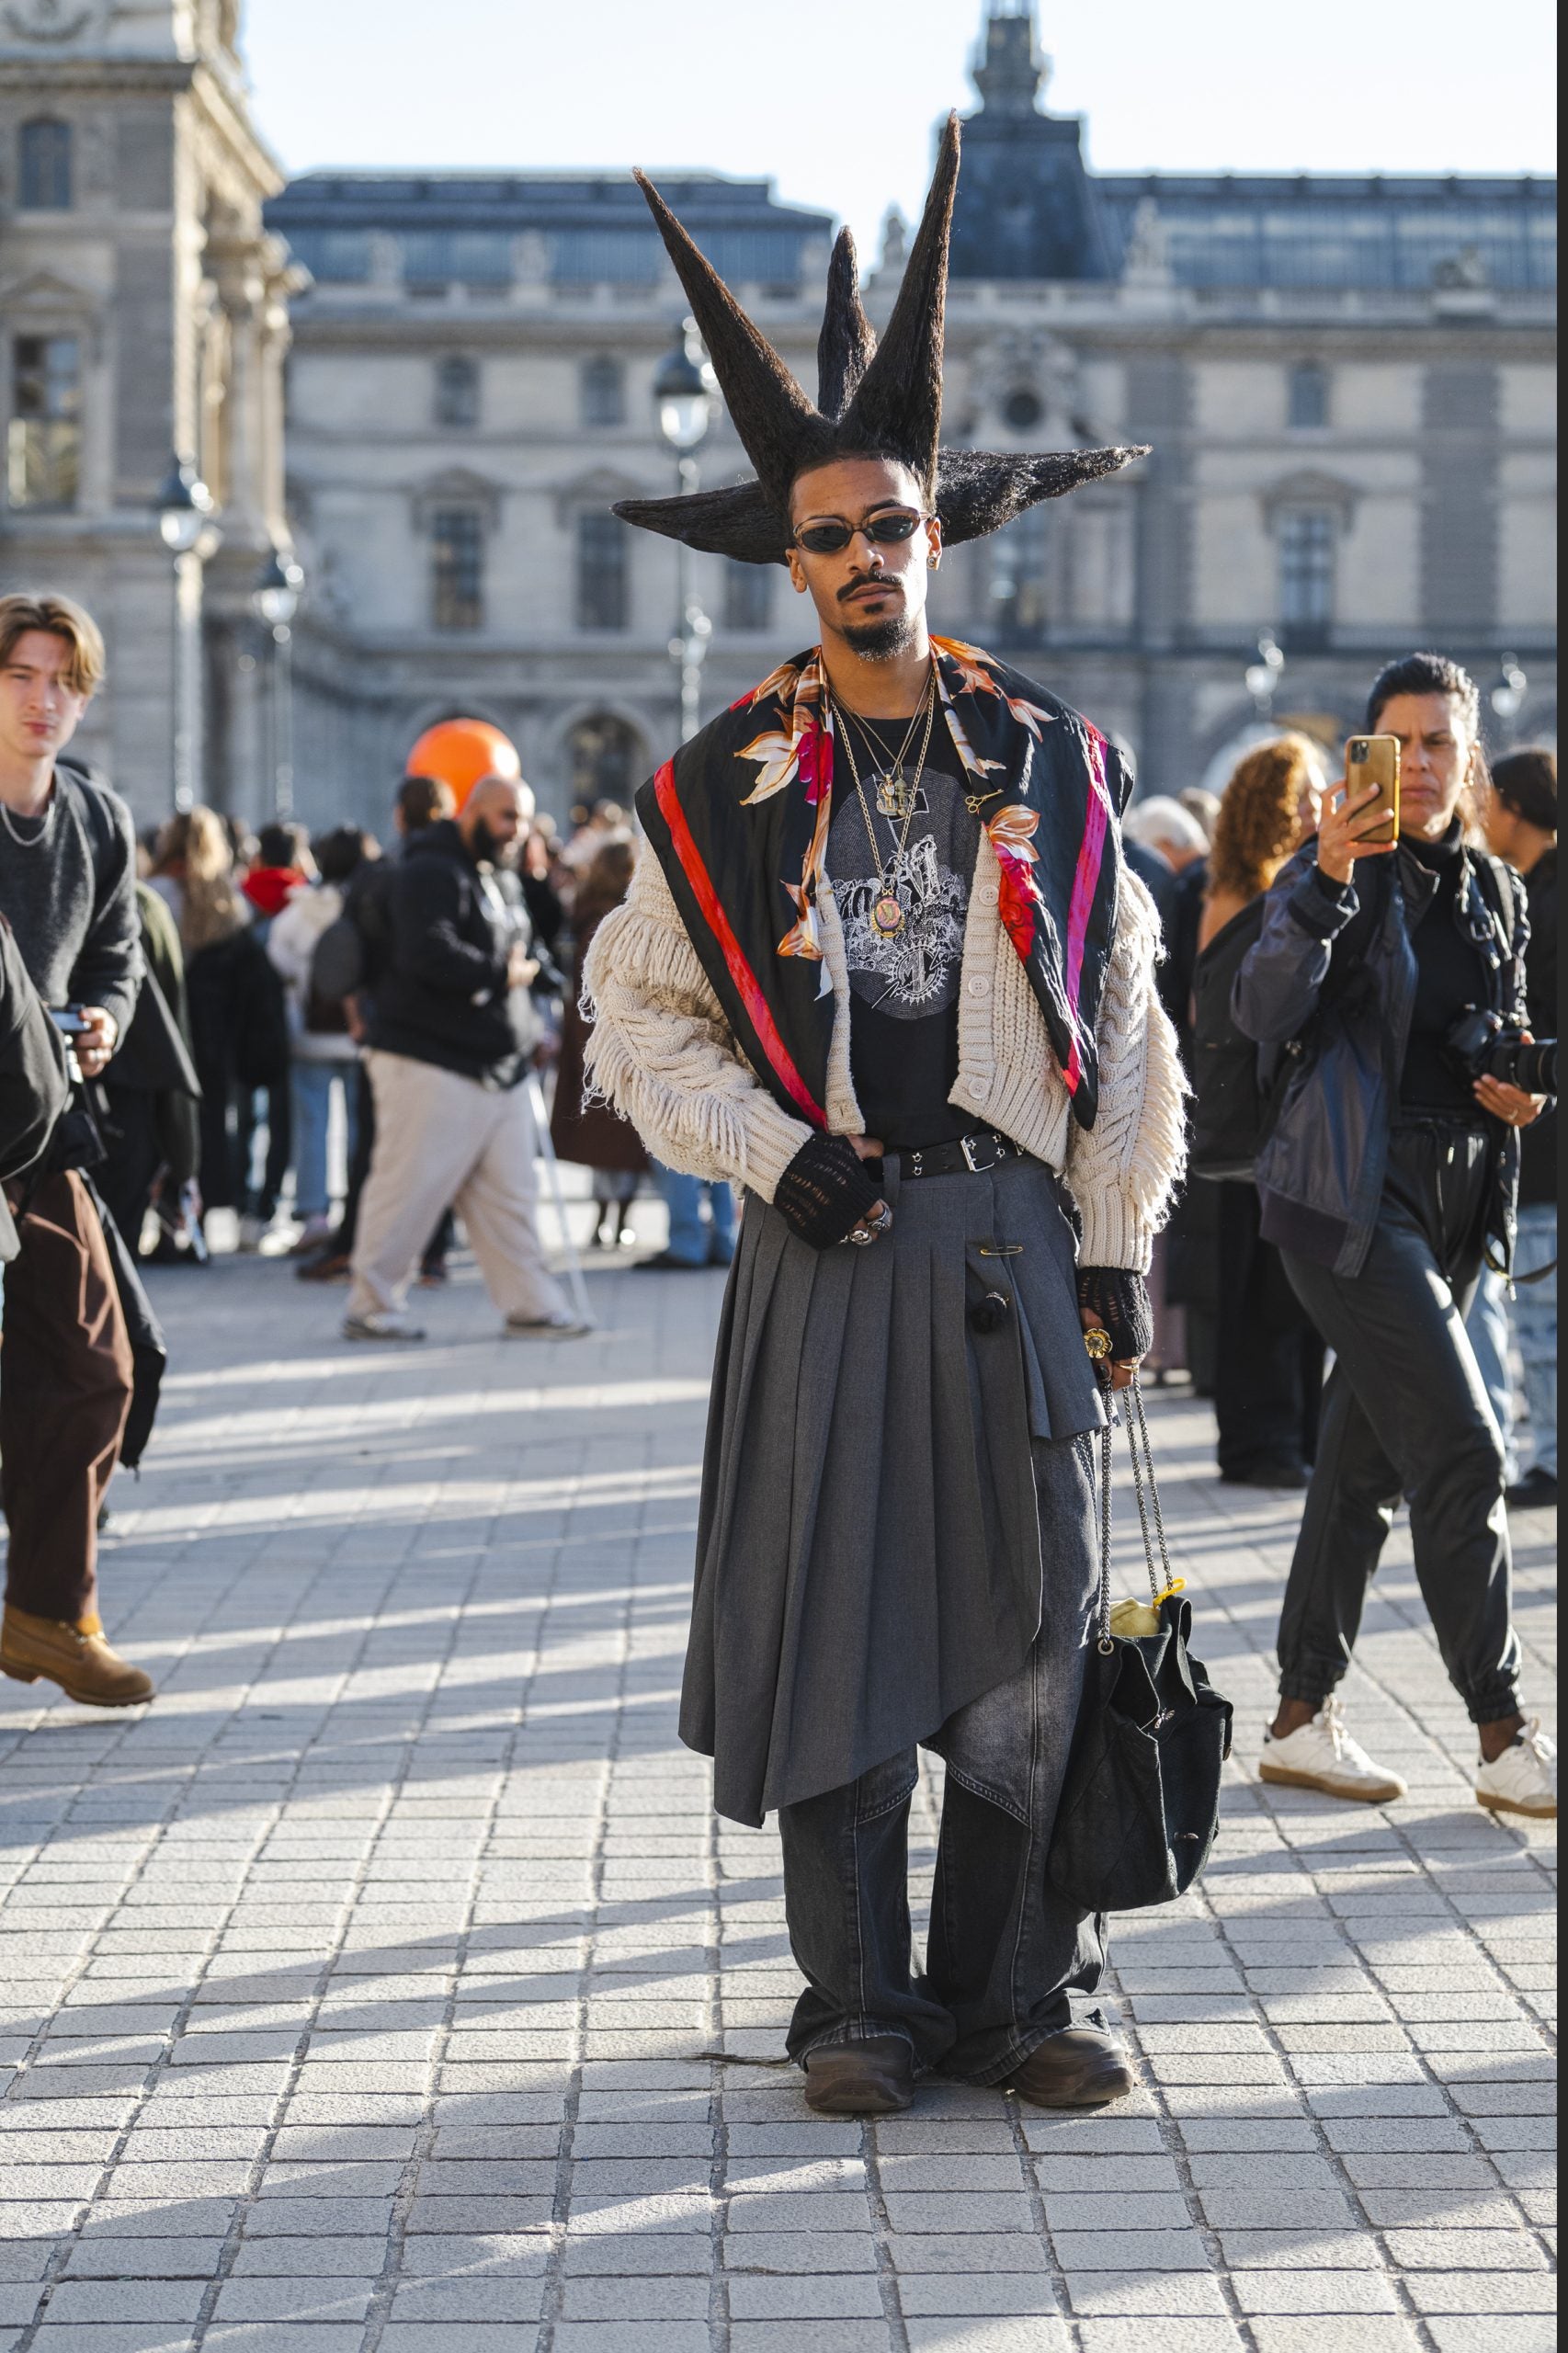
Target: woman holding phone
x: 1391, y: 1172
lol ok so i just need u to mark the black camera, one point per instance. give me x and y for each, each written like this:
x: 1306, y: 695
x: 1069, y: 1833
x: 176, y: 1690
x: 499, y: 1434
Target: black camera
x: 1483, y: 1045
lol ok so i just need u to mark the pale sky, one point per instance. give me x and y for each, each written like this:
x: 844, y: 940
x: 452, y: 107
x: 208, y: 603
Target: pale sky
x: 835, y: 100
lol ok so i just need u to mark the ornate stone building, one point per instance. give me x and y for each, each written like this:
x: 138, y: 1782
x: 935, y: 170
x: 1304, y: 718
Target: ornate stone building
x: 471, y: 388
x: 144, y: 313
x: 1349, y: 387
x: 1348, y: 383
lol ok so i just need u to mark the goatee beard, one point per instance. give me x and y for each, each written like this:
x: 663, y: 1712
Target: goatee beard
x: 880, y: 641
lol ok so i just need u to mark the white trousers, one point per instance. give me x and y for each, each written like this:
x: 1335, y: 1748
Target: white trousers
x: 444, y: 1139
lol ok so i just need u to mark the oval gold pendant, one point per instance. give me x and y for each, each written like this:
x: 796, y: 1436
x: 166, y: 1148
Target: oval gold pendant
x: 887, y: 916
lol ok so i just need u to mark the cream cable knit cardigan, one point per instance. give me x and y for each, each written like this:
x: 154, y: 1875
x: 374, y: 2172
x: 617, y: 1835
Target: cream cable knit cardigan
x: 663, y: 1053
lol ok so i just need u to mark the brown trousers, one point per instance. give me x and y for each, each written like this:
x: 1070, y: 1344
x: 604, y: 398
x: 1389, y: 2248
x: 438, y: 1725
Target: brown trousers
x: 65, y: 1393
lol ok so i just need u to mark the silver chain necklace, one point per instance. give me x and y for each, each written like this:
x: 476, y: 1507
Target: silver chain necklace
x: 29, y: 841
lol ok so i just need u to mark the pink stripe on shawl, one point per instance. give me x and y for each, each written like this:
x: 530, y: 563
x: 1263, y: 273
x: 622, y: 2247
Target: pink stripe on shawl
x: 1091, y: 856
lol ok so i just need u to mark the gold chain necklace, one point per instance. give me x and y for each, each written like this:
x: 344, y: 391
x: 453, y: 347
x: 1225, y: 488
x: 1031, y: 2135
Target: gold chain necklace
x: 887, y: 907
x: 877, y: 752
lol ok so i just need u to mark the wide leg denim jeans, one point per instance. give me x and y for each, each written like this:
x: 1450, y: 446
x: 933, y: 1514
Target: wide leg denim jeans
x: 1006, y: 1952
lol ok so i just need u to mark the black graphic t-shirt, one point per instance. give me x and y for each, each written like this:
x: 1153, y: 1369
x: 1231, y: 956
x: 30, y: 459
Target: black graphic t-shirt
x: 904, y: 1032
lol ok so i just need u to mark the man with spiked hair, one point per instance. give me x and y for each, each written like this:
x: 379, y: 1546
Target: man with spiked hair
x: 886, y: 970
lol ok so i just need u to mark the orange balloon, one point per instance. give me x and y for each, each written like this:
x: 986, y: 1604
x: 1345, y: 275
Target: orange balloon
x: 461, y: 751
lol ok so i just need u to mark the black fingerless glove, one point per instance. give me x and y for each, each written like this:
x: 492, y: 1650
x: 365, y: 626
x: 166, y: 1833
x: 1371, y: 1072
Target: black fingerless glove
x: 1120, y: 1299
x: 824, y: 1191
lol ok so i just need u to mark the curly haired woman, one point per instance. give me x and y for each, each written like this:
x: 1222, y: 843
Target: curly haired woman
x: 1269, y: 808
x: 1268, y: 1368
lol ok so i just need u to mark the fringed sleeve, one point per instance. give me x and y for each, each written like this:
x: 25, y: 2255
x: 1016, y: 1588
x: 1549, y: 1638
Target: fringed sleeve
x: 1123, y: 1172
x: 661, y: 1051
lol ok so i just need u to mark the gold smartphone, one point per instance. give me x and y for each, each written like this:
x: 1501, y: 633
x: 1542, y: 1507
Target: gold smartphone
x: 1374, y: 759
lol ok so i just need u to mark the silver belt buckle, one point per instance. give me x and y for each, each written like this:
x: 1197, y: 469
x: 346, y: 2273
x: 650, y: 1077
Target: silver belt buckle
x: 979, y: 1167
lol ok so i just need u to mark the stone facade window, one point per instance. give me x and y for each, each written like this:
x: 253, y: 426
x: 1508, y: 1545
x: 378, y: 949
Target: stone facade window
x: 434, y: 259
x: 334, y: 256
x: 1019, y: 580
x: 43, y: 436
x: 456, y: 390
x: 457, y: 568
x: 603, y: 391
x: 43, y: 166
x: 748, y: 594
x: 1308, y: 537
x: 603, y: 574
x: 1308, y: 394
x: 607, y: 759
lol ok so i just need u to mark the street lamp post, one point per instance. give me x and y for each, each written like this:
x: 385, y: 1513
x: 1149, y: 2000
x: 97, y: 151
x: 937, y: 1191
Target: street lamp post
x: 1262, y: 676
x: 274, y: 600
x: 684, y: 387
x: 1507, y: 697
x: 184, y: 505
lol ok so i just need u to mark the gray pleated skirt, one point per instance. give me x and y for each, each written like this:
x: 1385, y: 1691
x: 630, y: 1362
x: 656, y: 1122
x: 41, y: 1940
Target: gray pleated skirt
x: 870, y: 1547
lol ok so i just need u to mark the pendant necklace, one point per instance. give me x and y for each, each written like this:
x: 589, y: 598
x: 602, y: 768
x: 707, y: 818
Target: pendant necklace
x: 887, y: 908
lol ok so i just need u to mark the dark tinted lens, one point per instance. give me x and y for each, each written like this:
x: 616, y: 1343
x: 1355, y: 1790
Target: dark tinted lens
x: 892, y: 526
x: 824, y: 539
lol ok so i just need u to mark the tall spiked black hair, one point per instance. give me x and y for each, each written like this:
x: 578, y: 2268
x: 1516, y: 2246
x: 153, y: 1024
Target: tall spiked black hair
x: 873, y: 399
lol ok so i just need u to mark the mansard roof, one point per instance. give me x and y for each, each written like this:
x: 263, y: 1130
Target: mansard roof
x: 592, y: 224
x: 1030, y: 207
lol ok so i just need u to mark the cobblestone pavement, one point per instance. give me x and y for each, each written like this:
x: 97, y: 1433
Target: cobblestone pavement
x: 365, y: 1991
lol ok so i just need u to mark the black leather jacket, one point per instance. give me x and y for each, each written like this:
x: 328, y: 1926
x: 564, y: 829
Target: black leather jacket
x: 1331, y: 981
x: 442, y: 996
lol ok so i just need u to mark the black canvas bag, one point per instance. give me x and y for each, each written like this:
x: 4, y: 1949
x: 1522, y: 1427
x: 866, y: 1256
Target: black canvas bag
x: 1141, y: 1805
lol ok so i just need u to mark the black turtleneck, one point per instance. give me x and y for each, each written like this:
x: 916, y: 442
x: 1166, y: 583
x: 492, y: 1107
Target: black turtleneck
x: 1450, y: 972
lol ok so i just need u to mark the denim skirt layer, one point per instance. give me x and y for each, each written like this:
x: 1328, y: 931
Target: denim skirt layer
x: 869, y: 1548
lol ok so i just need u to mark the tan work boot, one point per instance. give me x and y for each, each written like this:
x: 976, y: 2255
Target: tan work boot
x: 75, y: 1656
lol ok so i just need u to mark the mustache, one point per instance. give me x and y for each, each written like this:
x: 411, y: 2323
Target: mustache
x: 882, y: 580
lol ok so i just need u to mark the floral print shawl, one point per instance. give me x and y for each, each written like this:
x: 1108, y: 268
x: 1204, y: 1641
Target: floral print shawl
x: 739, y: 821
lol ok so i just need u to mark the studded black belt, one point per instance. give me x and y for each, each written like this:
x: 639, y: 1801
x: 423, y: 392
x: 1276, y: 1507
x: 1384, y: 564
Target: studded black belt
x: 971, y: 1155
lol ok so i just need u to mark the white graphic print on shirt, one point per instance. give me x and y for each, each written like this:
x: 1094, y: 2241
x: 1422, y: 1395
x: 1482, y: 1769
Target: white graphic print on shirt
x: 914, y: 973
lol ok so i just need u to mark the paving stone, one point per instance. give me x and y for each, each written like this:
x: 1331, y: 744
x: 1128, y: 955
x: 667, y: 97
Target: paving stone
x: 1343, y: 2333
x: 1481, y: 2334
x: 449, y: 2301
x: 1177, y: 2335
x: 1314, y: 2292
x: 975, y: 2294
x: 1157, y: 2295
x: 479, y: 2337
x: 339, y: 2301
x: 754, y: 2297
x: 807, y: 2336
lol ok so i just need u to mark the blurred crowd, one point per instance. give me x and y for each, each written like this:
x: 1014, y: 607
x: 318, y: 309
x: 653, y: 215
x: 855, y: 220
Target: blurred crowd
x: 269, y: 951
x: 1226, y: 1316
x: 277, y: 959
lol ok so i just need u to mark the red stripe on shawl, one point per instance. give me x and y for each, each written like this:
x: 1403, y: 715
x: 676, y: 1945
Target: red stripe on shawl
x: 741, y: 973
x: 1091, y: 854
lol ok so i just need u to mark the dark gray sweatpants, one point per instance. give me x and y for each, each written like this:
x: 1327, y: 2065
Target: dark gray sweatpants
x: 1405, y: 1412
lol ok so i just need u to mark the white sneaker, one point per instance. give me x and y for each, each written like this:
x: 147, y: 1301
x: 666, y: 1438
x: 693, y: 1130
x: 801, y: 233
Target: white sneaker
x: 380, y: 1324
x: 559, y: 1324
x: 1322, y: 1755
x: 1524, y: 1779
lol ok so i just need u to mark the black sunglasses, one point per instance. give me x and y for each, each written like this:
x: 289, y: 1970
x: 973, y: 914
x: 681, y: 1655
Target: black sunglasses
x: 889, y: 528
